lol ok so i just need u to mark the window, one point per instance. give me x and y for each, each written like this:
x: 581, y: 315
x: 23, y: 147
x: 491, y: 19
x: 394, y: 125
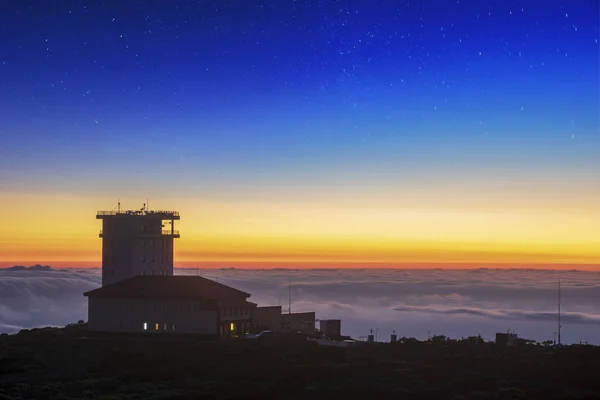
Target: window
x: 152, y: 243
x: 143, y: 258
x: 156, y: 326
x: 232, y: 326
x: 162, y: 258
x: 172, y: 327
x: 145, y: 326
x: 143, y: 242
x: 152, y: 272
x: 165, y: 326
x: 142, y: 272
x: 152, y: 258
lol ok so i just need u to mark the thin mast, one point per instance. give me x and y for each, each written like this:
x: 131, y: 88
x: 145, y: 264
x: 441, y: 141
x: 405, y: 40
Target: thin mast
x: 290, y: 296
x: 559, y: 326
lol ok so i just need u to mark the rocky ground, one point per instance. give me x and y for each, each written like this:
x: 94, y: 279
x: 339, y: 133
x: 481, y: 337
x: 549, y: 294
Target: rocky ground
x: 69, y: 363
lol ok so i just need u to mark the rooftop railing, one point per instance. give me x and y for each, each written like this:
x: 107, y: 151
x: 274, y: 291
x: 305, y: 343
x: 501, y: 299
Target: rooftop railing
x: 164, y: 232
x: 139, y: 212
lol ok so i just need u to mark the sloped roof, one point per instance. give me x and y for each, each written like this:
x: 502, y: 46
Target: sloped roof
x: 167, y: 287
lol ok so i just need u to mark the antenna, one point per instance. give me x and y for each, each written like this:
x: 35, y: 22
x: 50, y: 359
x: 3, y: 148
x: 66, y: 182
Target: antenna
x: 119, y: 205
x: 559, y: 326
x: 290, y: 296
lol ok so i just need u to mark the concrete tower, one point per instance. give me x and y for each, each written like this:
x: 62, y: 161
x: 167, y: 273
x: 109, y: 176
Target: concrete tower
x: 136, y: 243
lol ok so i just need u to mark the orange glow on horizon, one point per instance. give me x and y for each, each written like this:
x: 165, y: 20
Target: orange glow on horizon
x: 66, y: 230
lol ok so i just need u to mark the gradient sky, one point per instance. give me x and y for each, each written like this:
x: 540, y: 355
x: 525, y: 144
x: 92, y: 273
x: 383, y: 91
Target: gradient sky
x: 305, y: 130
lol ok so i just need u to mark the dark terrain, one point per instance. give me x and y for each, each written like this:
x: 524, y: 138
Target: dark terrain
x: 69, y: 363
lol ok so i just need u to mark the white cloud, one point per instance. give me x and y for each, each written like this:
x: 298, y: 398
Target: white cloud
x: 451, y: 302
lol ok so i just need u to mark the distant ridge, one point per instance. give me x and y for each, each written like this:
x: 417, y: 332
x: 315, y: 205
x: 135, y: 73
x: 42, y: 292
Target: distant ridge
x: 36, y: 267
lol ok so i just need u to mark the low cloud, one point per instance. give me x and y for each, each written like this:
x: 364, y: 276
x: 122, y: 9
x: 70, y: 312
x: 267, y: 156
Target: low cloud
x: 513, y: 315
x: 412, y: 302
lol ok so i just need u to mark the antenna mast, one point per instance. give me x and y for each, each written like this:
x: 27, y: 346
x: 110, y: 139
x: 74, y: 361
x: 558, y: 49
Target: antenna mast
x: 290, y: 296
x: 559, y: 325
x: 119, y: 205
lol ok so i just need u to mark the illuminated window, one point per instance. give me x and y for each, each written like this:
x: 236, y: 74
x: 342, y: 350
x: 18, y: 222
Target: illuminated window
x: 232, y: 326
x: 165, y: 326
x: 156, y: 326
x: 172, y: 327
x: 145, y: 326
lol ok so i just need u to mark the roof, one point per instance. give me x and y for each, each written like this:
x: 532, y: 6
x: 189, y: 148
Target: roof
x: 167, y: 287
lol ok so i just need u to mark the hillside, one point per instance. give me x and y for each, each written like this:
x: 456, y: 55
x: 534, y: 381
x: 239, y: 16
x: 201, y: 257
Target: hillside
x: 69, y: 363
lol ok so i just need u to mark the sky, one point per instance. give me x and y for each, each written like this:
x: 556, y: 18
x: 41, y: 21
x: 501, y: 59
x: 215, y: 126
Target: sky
x: 457, y: 303
x: 314, y: 131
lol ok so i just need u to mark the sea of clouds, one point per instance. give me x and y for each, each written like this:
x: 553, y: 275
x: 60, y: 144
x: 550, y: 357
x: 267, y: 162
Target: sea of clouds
x: 415, y: 303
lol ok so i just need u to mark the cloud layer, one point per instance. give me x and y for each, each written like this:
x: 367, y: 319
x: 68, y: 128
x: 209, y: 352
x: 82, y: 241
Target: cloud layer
x: 452, y: 302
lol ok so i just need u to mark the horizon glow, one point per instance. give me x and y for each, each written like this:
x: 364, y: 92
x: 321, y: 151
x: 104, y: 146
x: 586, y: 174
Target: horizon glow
x: 316, y: 132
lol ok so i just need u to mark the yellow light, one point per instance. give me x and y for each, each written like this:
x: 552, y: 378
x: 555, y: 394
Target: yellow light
x: 232, y: 326
x: 157, y: 326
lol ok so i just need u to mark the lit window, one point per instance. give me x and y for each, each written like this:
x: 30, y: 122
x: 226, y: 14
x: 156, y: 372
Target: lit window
x: 173, y: 327
x: 165, y: 326
x: 232, y: 326
x: 145, y: 326
x: 157, y: 326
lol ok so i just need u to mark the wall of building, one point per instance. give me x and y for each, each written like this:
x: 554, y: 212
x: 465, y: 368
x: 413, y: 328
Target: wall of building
x: 140, y: 315
x: 134, y: 245
x: 271, y: 318
x: 266, y: 318
x: 331, y: 327
x: 298, y: 322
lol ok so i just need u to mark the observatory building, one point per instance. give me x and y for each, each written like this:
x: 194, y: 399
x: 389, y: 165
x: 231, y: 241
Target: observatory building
x: 140, y: 293
x: 137, y: 243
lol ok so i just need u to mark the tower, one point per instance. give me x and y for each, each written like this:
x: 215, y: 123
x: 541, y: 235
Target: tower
x: 136, y: 243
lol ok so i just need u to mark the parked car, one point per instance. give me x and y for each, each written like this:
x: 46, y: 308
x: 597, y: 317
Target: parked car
x: 266, y: 333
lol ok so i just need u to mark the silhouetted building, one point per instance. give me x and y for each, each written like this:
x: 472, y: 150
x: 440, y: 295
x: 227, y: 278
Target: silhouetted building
x: 182, y: 304
x: 331, y: 327
x: 506, y: 339
x: 272, y: 318
x: 140, y: 294
x: 137, y: 243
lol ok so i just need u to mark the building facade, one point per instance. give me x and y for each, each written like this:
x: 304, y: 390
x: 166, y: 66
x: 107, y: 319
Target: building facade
x: 137, y: 243
x: 139, y: 292
x: 169, y: 304
x: 272, y: 318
